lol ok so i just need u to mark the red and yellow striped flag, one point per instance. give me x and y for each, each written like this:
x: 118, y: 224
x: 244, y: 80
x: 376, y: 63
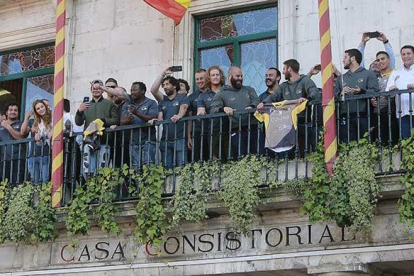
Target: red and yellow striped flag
x: 57, y: 148
x: 174, y: 9
x: 328, y: 100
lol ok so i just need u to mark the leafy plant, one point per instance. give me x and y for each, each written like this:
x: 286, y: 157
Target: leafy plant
x: 240, y: 192
x: 151, y: 219
x: 100, y: 189
x: 406, y: 203
x: 191, y: 196
x: 355, y: 190
x: 316, y: 190
x: 45, y: 229
x: 350, y: 197
x: 23, y: 220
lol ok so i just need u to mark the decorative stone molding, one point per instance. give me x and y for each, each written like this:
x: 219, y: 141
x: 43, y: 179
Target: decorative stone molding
x: 7, y: 5
x: 42, y: 30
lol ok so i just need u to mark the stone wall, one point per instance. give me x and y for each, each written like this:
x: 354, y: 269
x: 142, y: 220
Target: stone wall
x: 281, y: 241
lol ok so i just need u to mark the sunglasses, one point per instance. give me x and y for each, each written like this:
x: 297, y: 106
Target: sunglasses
x: 113, y: 86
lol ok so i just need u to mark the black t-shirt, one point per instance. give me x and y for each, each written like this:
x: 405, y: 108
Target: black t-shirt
x: 15, y: 151
x: 170, y: 108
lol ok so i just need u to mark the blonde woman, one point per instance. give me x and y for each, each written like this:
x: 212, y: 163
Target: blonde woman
x: 41, y: 129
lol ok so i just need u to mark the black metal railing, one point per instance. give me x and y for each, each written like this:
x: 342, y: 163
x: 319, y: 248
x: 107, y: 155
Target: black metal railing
x: 215, y: 137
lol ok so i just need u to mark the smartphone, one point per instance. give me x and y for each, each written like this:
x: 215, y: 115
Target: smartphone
x: 86, y: 99
x: 373, y: 34
x: 318, y: 67
x: 176, y: 68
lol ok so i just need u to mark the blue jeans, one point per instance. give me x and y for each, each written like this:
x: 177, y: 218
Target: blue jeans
x: 41, y: 164
x: 143, y: 154
x: 170, y: 158
x: 405, y: 126
x: 92, y: 159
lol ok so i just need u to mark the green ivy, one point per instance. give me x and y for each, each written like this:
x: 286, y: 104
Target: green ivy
x: 316, y: 190
x: 22, y: 219
x: 101, y: 189
x: 239, y: 190
x: 355, y: 191
x: 151, y: 221
x: 191, y: 196
x: 45, y: 229
x: 406, y: 203
x: 350, y: 197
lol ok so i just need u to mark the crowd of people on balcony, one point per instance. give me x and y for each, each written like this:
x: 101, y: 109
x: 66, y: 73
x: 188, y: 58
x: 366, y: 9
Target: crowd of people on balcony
x: 223, y: 137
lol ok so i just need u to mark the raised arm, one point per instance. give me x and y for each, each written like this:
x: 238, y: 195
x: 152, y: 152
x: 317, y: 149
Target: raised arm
x: 383, y: 38
x: 119, y: 92
x: 155, y: 88
x: 24, y: 129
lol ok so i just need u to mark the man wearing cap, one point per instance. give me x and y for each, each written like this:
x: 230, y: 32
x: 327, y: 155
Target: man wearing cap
x: 107, y: 112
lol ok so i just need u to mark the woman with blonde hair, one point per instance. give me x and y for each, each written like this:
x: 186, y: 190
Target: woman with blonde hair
x: 42, y: 130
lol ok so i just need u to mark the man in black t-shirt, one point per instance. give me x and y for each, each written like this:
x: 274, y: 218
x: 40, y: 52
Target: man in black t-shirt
x: 12, y: 156
x: 173, y: 107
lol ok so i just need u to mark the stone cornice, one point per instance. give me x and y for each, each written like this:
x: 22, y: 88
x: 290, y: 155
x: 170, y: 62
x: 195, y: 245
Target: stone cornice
x: 26, y: 37
x: 8, y: 5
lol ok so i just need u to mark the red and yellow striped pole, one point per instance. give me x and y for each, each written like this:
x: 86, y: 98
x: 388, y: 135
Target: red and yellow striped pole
x: 57, y: 149
x: 328, y: 100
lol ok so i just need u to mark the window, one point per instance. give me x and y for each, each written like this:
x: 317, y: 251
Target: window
x: 244, y: 38
x: 27, y: 75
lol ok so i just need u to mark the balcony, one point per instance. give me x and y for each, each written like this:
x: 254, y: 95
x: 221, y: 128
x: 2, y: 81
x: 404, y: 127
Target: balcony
x: 277, y: 233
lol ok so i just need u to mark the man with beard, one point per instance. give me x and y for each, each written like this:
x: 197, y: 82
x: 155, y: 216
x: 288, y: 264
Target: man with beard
x: 296, y: 87
x: 237, y: 97
x: 357, y: 80
x: 138, y: 111
x: 107, y: 112
x: 403, y: 78
x: 272, y: 79
x: 173, y: 107
x: 12, y: 157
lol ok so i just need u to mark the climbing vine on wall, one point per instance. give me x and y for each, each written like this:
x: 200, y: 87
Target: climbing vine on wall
x: 350, y: 197
x: 26, y: 214
x: 406, y: 203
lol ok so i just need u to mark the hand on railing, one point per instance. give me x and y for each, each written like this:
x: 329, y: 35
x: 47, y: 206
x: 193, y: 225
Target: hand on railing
x: 152, y: 122
x: 175, y: 118
x: 228, y: 110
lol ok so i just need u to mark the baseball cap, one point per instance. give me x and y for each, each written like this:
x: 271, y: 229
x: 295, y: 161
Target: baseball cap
x: 97, y: 81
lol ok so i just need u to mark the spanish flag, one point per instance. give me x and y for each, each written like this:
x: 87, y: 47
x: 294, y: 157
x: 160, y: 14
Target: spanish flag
x: 174, y: 9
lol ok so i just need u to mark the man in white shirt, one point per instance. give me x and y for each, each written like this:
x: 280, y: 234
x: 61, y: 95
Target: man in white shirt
x: 402, y: 79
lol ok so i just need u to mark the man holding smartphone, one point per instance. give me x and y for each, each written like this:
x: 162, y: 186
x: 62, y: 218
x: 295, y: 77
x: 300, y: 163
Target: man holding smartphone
x: 107, y: 112
x: 383, y: 38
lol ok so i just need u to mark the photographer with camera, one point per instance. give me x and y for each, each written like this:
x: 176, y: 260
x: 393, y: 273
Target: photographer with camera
x: 97, y: 108
x: 381, y: 37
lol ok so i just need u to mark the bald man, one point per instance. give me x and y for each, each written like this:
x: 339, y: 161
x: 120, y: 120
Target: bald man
x: 237, y: 97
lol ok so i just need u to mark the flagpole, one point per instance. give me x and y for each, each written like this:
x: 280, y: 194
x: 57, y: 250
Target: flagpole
x: 328, y: 99
x: 57, y: 148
